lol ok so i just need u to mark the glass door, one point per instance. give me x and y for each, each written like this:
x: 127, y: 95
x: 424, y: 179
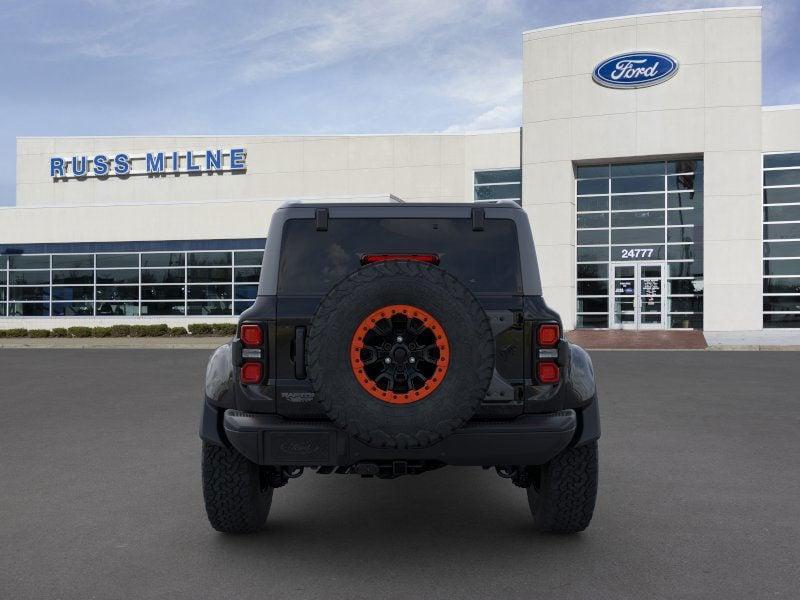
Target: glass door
x: 637, y: 295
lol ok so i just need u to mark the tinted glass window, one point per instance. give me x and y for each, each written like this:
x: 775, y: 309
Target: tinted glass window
x: 592, y: 171
x: 163, y: 275
x: 162, y: 308
x: 118, y: 292
x: 163, y: 259
x: 782, y: 285
x: 683, y: 182
x: 510, y: 191
x: 249, y: 274
x: 592, y: 254
x: 209, y: 292
x: 29, y: 293
x: 637, y: 184
x: 593, y: 236
x: 73, y: 277
x: 209, y: 259
x: 782, y: 267
x: 782, y: 213
x: 788, y: 177
x: 29, y: 277
x: 498, y: 176
x: 162, y: 292
x: 73, y: 292
x: 23, y: 261
x: 209, y: 275
x: 638, y: 218
x: 637, y: 202
x: 593, y: 186
x: 117, y: 260
x: 637, y: 236
x: 73, y: 261
x: 209, y: 308
x: 593, y: 220
x: 782, y: 231
x: 782, y: 160
x: 485, y: 261
x: 655, y: 168
x: 118, y: 276
x: 593, y: 271
x: 684, y: 217
x: 249, y: 258
x: 782, y: 195
x: 782, y: 249
x: 595, y: 203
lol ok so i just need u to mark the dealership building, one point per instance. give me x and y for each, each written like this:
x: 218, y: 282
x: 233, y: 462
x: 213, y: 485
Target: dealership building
x: 661, y: 193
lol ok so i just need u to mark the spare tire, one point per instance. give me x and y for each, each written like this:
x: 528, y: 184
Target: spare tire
x: 400, y: 354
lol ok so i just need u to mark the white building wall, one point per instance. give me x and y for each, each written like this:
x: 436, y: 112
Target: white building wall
x: 712, y: 107
x: 414, y: 167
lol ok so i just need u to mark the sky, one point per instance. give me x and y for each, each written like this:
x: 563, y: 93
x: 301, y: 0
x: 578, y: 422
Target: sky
x: 162, y: 67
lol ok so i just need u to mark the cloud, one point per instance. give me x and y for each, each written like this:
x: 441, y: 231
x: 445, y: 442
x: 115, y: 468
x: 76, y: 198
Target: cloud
x: 498, y: 117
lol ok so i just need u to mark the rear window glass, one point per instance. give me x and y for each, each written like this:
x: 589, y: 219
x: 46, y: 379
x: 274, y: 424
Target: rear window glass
x: 313, y: 261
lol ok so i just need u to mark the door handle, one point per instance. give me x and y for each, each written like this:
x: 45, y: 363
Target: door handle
x: 300, y: 353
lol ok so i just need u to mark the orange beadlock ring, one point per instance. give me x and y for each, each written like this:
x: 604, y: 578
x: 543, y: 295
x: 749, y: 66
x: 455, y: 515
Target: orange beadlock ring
x: 432, y: 382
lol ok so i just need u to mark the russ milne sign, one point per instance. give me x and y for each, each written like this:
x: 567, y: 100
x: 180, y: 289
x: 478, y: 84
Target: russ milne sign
x: 151, y: 163
x: 635, y: 70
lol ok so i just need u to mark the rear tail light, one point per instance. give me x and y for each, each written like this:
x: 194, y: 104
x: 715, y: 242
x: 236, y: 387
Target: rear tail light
x: 374, y: 258
x: 547, y: 372
x: 548, y: 336
x: 251, y: 335
x: 252, y: 353
x: 251, y: 372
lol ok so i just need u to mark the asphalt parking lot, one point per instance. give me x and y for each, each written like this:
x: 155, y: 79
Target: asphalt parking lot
x: 100, y: 494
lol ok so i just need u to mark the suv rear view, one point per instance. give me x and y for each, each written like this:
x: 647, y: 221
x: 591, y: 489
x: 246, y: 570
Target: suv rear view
x: 391, y: 339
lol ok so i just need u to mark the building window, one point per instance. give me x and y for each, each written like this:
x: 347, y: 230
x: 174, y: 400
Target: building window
x: 781, y: 247
x: 499, y: 184
x: 129, y: 284
x: 639, y: 234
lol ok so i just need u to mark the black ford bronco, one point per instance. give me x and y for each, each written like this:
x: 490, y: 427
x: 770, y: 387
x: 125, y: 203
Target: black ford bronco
x: 391, y: 339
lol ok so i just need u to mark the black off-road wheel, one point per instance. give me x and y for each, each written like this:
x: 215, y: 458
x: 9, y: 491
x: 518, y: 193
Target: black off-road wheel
x: 563, y: 492
x: 400, y: 354
x: 236, y: 491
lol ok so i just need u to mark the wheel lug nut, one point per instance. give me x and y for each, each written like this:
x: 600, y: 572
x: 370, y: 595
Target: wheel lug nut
x: 411, y: 359
x: 387, y: 360
x: 399, y: 339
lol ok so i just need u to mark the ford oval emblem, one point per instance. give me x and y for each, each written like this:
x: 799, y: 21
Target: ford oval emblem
x: 635, y: 70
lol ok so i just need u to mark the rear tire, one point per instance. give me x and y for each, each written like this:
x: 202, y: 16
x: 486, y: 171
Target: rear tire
x: 237, y: 493
x: 562, y: 495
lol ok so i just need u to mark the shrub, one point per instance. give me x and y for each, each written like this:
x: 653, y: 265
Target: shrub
x: 200, y: 329
x: 16, y: 332
x: 80, y: 332
x: 101, y: 332
x: 156, y: 330
x: 38, y: 333
x: 177, y: 331
x: 223, y: 328
x: 120, y: 330
x: 138, y: 331
x: 59, y: 332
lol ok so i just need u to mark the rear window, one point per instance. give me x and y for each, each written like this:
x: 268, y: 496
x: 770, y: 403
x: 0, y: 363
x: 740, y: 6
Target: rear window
x: 313, y: 261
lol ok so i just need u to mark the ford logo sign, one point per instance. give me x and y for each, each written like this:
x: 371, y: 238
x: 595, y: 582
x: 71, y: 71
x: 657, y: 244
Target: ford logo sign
x: 635, y: 70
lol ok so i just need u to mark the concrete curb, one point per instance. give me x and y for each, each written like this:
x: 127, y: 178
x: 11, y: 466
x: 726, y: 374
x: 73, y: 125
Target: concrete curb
x: 159, y: 343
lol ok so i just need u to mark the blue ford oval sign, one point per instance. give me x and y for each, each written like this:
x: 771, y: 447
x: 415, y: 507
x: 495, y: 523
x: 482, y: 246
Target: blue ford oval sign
x: 635, y: 70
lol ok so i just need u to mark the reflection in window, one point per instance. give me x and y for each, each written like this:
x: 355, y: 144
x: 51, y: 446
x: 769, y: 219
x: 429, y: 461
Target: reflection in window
x: 499, y: 184
x: 109, y: 283
x: 654, y: 212
x: 781, y: 247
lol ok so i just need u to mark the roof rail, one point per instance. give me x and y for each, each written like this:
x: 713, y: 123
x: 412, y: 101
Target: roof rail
x: 394, y: 198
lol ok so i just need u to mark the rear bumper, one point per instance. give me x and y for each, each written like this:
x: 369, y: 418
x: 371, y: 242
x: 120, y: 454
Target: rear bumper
x: 527, y: 440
